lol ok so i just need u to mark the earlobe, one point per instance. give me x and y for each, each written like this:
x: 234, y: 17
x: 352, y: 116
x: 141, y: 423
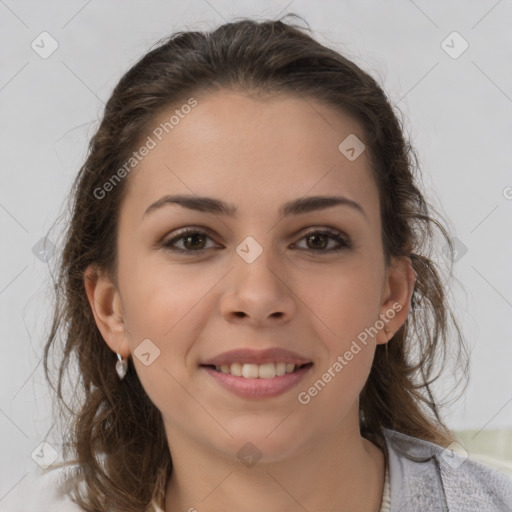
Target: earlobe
x: 105, y: 304
x: 397, y: 295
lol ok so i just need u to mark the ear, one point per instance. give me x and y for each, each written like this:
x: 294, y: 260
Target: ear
x: 396, y: 297
x: 105, y: 303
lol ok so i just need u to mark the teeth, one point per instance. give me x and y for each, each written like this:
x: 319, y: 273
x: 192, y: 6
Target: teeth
x: 236, y: 369
x: 281, y: 369
x: 255, y: 371
x: 267, y: 371
x: 250, y: 371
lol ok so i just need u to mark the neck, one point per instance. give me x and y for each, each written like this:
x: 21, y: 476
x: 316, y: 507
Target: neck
x: 341, y: 468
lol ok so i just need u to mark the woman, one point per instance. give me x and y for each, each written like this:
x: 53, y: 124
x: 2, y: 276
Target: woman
x: 247, y: 289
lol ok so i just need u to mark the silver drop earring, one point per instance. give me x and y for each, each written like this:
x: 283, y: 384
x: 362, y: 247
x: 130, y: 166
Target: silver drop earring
x: 121, y: 367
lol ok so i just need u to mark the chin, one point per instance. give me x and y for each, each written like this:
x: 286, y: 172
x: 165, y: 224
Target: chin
x: 268, y: 439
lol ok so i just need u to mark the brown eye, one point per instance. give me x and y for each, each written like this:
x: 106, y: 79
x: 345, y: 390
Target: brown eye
x: 192, y: 240
x: 196, y: 241
x: 318, y: 242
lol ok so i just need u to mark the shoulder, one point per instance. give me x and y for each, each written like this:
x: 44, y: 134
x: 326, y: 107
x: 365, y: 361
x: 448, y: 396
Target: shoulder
x: 41, y: 491
x: 424, y: 474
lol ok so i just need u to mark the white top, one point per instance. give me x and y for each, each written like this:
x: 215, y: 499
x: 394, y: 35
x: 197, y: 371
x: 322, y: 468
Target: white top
x: 386, y: 496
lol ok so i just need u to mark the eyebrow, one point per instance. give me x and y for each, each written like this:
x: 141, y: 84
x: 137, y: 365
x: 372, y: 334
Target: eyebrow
x: 217, y: 206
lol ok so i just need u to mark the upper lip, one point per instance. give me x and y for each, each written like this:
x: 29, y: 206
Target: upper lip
x: 244, y: 355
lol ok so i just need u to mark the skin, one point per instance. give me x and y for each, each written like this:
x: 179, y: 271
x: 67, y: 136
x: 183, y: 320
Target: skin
x: 256, y: 153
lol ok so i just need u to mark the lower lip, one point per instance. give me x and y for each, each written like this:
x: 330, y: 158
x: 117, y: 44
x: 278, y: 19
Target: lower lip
x: 258, y: 388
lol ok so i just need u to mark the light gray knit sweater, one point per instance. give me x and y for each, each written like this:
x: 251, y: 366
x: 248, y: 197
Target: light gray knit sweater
x: 424, y: 477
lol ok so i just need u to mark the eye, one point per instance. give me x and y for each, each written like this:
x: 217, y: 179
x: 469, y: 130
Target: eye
x: 193, y: 239
x: 318, y: 240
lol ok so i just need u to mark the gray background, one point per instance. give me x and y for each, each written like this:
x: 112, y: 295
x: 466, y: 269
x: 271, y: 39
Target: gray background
x: 458, y: 113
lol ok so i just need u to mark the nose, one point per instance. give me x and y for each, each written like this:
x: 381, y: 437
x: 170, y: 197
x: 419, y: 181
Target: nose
x: 258, y: 293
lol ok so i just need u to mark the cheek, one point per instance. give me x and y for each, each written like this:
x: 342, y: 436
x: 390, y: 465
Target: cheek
x: 163, y: 306
x: 346, y: 299
x: 338, y: 384
x: 347, y: 302
x: 166, y: 305
x: 158, y: 297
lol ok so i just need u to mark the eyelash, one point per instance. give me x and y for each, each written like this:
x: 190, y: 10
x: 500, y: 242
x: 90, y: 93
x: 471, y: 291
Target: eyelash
x: 344, y: 244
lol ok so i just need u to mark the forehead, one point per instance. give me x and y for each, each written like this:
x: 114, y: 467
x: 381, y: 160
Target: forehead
x: 254, y: 150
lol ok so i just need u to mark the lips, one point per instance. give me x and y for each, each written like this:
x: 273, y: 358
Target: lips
x: 258, y: 388
x: 257, y: 374
x: 256, y: 357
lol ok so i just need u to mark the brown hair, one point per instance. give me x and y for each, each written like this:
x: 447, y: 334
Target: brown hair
x: 116, y: 434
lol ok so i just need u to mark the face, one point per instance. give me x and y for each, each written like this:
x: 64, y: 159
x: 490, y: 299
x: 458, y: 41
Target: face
x: 298, y: 286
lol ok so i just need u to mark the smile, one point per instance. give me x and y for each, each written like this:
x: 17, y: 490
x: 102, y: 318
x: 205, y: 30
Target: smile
x: 258, y: 381
x: 258, y: 371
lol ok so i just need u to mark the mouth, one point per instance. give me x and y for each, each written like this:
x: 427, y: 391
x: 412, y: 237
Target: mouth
x: 253, y: 374
x: 253, y: 382
x: 258, y: 371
